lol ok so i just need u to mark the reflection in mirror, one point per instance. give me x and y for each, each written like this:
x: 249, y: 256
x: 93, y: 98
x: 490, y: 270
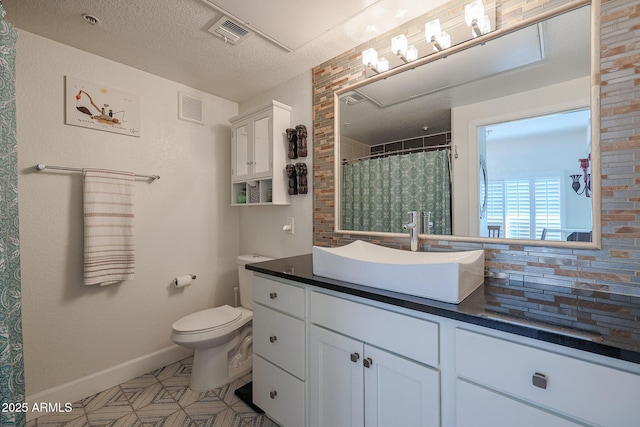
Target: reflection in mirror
x: 379, y: 190
x: 414, y: 140
x: 529, y: 194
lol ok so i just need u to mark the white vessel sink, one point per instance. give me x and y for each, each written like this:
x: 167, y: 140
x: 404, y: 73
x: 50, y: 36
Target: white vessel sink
x: 443, y: 276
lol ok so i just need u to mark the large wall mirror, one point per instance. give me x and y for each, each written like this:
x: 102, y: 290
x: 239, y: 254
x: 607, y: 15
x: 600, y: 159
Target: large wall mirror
x: 490, y: 140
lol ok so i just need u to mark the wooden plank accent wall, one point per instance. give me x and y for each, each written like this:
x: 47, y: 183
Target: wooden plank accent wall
x: 614, y: 268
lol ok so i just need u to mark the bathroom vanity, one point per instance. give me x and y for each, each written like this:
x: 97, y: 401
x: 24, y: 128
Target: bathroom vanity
x: 332, y: 353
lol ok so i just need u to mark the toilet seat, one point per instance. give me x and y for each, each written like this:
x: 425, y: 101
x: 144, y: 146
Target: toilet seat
x: 207, y: 320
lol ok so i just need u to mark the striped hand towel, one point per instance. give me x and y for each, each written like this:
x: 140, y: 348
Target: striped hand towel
x: 109, y: 244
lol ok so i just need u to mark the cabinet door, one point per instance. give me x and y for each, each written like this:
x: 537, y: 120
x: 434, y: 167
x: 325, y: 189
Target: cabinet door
x: 240, y: 152
x: 336, y: 380
x: 477, y: 406
x: 262, y: 146
x: 399, y: 392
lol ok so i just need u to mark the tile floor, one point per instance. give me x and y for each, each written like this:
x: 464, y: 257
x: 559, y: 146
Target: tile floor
x: 160, y: 398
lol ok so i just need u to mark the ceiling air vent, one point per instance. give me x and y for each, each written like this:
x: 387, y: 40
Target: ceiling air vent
x: 351, y: 98
x: 229, y: 31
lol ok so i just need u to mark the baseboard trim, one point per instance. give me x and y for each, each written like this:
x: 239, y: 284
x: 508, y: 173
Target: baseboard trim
x: 99, y: 381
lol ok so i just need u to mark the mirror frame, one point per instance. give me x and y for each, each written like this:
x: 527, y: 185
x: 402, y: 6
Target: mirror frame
x: 596, y: 202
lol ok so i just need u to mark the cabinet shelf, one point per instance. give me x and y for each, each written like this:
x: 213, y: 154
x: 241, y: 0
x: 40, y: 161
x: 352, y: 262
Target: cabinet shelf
x: 257, y: 192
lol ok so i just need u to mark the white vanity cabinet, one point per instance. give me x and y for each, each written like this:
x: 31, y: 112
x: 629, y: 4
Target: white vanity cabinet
x: 329, y: 359
x: 514, y: 381
x: 279, y: 346
x: 259, y: 155
x: 361, y: 374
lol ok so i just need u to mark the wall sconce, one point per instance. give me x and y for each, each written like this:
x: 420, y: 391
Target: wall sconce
x: 370, y: 59
x: 475, y: 18
x: 584, y: 165
x: 400, y: 46
x: 434, y: 35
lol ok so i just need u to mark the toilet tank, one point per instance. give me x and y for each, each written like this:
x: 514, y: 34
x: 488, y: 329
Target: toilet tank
x: 244, y: 276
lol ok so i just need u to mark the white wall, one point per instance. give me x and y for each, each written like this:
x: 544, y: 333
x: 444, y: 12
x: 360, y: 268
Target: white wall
x: 352, y: 149
x: 184, y: 223
x: 261, y: 226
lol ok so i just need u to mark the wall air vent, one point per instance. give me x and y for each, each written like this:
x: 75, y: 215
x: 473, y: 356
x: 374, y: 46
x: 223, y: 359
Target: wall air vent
x: 190, y: 108
x: 229, y: 31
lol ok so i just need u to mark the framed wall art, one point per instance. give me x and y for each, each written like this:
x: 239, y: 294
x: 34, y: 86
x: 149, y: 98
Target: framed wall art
x: 95, y: 106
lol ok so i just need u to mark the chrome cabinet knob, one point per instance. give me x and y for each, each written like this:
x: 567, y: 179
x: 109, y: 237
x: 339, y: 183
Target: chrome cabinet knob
x: 273, y: 295
x: 273, y: 338
x: 355, y: 357
x: 273, y: 394
x: 367, y: 362
x: 540, y: 380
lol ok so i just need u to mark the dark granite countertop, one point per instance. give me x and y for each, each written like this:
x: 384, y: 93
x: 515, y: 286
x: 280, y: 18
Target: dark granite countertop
x: 597, y: 322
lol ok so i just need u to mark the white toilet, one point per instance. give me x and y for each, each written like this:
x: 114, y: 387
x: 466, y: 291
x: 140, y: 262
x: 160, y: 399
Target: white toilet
x: 222, y: 336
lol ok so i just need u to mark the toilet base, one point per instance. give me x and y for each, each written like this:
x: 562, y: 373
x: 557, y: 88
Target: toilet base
x: 219, y: 365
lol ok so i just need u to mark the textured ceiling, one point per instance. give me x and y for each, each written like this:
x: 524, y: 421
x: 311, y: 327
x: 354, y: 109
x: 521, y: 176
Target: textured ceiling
x: 169, y: 38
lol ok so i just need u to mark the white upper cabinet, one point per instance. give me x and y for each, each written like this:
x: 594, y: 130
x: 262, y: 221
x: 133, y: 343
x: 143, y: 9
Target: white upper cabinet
x: 259, y: 155
x: 252, y: 155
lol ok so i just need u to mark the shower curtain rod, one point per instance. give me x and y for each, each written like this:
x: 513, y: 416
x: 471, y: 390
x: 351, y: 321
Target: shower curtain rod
x: 42, y: 166
x: 406, y: 150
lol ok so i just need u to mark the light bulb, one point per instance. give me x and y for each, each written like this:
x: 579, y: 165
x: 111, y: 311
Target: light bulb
x: 370, y: 57
x: 412, y: 53
x: 399, y: 45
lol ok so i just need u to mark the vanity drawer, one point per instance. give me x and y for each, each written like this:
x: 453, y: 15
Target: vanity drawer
x: 407, y: 336
x: 278, y: 394
x: 585, y: 390
x: 279, y: 338
x: 478, y: 406
x: 278, y: 295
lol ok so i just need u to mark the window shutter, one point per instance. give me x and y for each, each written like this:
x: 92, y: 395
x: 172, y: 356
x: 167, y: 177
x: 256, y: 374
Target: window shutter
x: 524, y: 207
x: 547, y: 212
x: 518, y: 209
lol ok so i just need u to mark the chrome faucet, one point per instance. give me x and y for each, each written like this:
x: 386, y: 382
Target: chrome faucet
x: 414, y: 228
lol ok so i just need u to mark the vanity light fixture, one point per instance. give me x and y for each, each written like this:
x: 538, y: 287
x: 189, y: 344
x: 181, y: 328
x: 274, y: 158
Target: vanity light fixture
x: 383, y: 65
x: 434, y: 35
x: 370, y: 59
x: 475, y: 18
x: 400, y: 47
x: 412, y: 53
x: 584, y: 165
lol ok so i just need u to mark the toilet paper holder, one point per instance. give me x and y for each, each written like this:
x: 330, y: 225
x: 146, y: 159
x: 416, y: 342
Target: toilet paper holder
x: 181, y: 281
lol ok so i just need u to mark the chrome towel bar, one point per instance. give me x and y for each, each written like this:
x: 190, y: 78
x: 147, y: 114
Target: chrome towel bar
x: 42, y: 166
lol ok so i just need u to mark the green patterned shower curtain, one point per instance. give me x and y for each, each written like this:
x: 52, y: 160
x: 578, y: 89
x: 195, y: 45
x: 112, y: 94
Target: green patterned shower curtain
x: 11, y: 360
x: 377, y: 193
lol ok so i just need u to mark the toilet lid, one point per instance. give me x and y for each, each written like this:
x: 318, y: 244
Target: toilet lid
x: 212, y: 318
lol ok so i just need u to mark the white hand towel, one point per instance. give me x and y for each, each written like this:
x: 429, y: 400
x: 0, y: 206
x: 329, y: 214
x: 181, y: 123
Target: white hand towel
x: 109, y: 235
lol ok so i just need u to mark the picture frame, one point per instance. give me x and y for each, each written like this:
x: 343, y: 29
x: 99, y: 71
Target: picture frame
x: 95, y: 106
